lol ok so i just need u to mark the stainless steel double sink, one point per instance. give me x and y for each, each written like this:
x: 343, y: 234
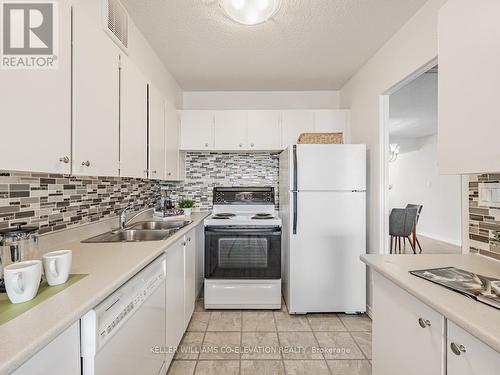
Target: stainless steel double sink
x: 141, y: 231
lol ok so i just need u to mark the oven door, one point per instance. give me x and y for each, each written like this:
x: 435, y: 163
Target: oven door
x: 243, y: 253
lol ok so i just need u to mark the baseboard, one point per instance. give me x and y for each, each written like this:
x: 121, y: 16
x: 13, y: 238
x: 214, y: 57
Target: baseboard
x: 441, y: 239
x: 369, y: 311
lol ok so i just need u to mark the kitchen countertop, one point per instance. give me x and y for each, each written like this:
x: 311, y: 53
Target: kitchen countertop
x: 480, y: 320
x: 108, y: 266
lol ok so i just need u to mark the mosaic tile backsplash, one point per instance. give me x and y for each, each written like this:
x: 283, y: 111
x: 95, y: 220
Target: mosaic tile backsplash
x: 484, y: 222
x: 206, y: 170
x: 55, y: 202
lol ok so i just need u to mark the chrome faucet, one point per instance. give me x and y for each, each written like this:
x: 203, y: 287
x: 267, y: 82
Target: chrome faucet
x: 123, y: 215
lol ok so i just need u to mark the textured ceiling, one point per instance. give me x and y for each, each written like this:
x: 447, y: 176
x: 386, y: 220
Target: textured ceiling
x: 309, y: 45
x: 413, y: 109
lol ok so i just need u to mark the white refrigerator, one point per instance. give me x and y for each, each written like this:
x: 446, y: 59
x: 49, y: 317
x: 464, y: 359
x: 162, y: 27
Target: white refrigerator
x: 323, y: 208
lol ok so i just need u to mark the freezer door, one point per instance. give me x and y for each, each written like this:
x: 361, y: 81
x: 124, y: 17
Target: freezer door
x: 330, y: 167
x: 325, y: 273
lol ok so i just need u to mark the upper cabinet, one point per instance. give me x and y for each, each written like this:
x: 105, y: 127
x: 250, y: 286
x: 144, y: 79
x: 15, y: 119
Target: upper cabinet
x: 327, y: 121
x: 90, y: 115
x: 231, y: 130
x: 264, y: 130
x: 96, y: 98
x: 295, y: 122
x: 197, y: 130
x: 133, y: 121
x: 469, y: 57
x: 256, y: 130
x: 174, y: 163
x: 36, y: 111
x: 156, y: 133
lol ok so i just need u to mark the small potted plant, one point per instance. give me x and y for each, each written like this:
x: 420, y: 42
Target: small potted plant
x: 186, y: 205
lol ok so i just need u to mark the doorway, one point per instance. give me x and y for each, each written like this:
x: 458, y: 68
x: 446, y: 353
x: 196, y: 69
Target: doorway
x: 422, y: 210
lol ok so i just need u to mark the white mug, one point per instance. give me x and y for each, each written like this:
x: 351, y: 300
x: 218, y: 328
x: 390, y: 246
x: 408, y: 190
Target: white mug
x: 57, y: 265
x: 22, y: 280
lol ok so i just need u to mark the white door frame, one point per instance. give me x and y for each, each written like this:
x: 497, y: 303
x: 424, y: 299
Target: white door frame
x: 384, y: 164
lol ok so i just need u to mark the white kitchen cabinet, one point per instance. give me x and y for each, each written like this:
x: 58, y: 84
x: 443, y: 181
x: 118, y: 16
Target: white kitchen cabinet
x: 96, y: 98
x: 174, y: 163
x: 156, y: 134
x: 175, y: 318
x: 469, y: 57
x: 295, y: 122
x: 190, y: 275
x: 333, y: 121
x: 36, y: 111
x: 469, y: 356
x: 230, y: 130
x: 408, y: 336
x: 264, y: 130
x: 133, y: 121
x: 60, y: 357
x: 197, y: 130
x: 181, y: 288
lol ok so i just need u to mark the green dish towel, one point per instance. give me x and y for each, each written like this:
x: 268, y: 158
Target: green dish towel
x: 9, y: 310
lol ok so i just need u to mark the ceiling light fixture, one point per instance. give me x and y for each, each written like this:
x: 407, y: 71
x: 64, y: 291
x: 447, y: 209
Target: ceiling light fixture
x: 250, y: 12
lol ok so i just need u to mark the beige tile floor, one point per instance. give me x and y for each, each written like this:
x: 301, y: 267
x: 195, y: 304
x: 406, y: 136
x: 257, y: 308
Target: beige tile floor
x: 432, y: 246
x: 248, y: 342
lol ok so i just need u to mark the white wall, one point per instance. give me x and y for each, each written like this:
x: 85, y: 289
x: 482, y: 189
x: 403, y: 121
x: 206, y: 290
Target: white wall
x: 414, y: 178
x: 411, y: 48
x: 261, y: 100
x: 141, y: 53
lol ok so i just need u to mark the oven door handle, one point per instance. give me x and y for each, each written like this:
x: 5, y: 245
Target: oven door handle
x: 243, y: 231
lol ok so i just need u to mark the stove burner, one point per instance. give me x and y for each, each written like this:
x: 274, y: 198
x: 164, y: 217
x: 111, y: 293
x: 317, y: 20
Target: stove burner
x: 266, y: 217
x: 226, y: 214
x: 222, y: 216
x: 263, y: 214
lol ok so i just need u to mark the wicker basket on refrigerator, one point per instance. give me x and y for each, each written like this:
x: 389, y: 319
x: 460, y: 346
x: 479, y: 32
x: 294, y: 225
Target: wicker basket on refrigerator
x: 321, y: 138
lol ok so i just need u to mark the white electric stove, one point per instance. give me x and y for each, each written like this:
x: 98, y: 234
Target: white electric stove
x: 243, y: 250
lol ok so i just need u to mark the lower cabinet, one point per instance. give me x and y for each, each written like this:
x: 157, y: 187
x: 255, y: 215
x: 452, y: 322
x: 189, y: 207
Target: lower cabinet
x: 411, y: 338
x: 181, y: 289
x: 408, y: 336
x: 466, y: 355
x: 60, y: 357
x: 175, y: 297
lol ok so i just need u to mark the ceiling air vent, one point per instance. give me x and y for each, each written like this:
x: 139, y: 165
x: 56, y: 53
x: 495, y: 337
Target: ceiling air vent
x: 116, y: 22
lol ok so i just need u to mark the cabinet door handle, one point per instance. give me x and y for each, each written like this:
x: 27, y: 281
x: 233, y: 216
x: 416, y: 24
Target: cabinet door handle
x: 86, y: 163
x: 457, y: 349
x: 64, y: 159
x: 206, y: 144
x: 251, y: 145
x: 241, y: 145
x: 170, y: 173
x: 424, y: 323
x: 154, y: 172
x: 189, y: 239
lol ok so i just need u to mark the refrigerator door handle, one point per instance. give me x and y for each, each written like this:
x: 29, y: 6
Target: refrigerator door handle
x: 295, y: 171
x: 295, y: 189
x: 295, y: 199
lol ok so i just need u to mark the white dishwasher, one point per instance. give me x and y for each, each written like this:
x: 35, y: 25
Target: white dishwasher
x: 125, y: 334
